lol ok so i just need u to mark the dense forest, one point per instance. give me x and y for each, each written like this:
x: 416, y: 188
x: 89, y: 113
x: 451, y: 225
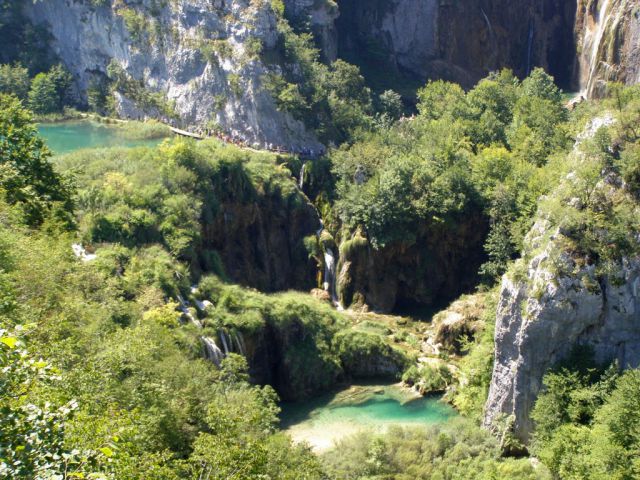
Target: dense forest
x: 159, y: 302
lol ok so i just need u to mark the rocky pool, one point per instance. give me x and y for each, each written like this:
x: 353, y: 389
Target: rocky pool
x: 328, y: 418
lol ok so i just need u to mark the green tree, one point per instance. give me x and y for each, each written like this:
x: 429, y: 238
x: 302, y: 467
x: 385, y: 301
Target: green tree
x: 26, y: 175
x: 43, y: 95
x: 14, y: 79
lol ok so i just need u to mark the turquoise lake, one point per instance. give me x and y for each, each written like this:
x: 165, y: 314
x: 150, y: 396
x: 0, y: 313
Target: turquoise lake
x: 328, y: 418
x: 65, y: 137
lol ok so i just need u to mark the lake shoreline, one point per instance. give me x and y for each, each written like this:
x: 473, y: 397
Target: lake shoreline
x: 322, y: 422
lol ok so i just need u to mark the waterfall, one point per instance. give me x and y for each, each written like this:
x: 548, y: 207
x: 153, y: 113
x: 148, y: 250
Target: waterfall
x: 329, y: 270
x: 81, y: 252
x: 529, y: 47
x: 212, y: 351
x: 184, y: 308
x: 223, y: 338
x: 492, y: 37
x: 301, y: 179
x: 329, y: 283
x: 239, y: 342
x: 329, y: 280
x: 594, y: 44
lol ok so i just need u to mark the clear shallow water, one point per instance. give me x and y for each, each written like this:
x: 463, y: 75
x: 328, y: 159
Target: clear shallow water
x: 326, y: 419
x: 65, y: 137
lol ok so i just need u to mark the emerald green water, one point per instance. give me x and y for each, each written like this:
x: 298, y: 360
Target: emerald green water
x: 326, y: 419
x: 65, y: 137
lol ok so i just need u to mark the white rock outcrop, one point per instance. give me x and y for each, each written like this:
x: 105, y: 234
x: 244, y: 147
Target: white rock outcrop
x: 541, y: 317
x: 167, y: 56
x: 556, y: 298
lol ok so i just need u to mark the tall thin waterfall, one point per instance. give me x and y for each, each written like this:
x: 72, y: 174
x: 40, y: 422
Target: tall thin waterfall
x: 301, y: 179
x: 530, y: 47
x: 225, y: 344
x: 595, y: 44
x: 329, y: 280
x: 329, y: 283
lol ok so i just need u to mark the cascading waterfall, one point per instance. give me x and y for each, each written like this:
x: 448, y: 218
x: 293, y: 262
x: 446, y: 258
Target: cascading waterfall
x: 184, y: 308
x: 81, y: 252
x: 212, y: 351
x: 595, y: 43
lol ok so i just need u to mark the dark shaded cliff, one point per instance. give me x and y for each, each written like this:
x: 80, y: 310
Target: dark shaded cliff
x: 463, y: 40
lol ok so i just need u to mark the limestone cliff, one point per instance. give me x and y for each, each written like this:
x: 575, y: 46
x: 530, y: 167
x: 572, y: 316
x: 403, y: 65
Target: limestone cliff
x: 463, y: 40
x: 559, y: 295
x: 193, y: 62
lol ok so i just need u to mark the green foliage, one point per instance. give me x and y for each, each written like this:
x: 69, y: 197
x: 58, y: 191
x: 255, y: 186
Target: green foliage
x: 27, y: 177
x: 136, y: 23
x: 365, y: 354
x: 49, y: 92
x: 587, y: 422
x: 465, y: 153
x: 138, y: 196
x: 138, y: 403
x: 98, y: 95
x: 332, y: 100
x: 458, y: 450
x: 14, y: 80
x: 475, y: 369
x: 148, y: 130
x: 428, y: 378
x: 32, y: 435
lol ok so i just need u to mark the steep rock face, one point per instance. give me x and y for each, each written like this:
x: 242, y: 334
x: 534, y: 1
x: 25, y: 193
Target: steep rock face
x: 608, y: 34
x: 260, y: 242
x: 321, y: 16
x: 540, y: 318
x: 198, y: 55
x: 476, y: 37
x: 463, y: 40
x: 398, y: 32
x: 438, y: 266
x: 558, y: 295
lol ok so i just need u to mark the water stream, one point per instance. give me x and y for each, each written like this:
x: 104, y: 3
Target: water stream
x: 329, y: 279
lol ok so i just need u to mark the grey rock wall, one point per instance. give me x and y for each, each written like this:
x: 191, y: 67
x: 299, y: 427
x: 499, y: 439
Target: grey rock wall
x: 223, y: 89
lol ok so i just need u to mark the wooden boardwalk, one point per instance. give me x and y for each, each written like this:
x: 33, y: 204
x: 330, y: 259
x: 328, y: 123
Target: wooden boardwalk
x: 184, y: 133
